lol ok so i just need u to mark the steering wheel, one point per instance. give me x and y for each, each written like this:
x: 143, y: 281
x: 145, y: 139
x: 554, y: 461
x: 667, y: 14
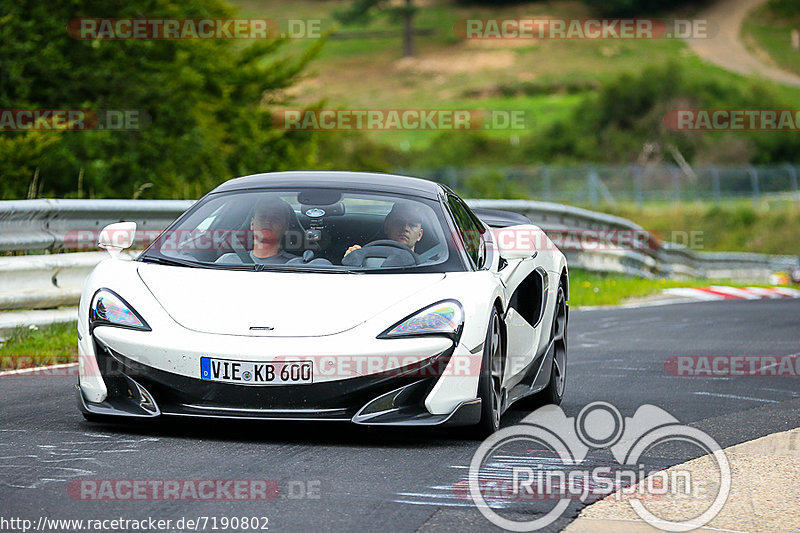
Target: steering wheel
x: 393, y: 244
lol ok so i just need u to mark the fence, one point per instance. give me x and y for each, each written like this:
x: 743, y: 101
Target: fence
x: 595, y: 184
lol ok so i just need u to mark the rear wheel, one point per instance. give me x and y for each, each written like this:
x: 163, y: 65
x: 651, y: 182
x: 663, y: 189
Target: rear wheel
x: 490, y: 385
x: 554, y: 392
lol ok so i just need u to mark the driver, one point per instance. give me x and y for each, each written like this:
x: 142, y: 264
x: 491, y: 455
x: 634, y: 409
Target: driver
x: 403, y: 224
x: 269, y: 223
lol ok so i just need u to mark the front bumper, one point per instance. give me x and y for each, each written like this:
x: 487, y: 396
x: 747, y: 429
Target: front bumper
x: 395, y: 397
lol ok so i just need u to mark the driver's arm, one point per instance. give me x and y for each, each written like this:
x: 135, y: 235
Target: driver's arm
x: 352, y: 248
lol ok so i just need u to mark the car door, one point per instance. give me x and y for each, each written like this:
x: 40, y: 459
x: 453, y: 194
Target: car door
x: 525, y: 283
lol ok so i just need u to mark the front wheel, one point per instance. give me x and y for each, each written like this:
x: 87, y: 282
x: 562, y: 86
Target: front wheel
x: 490, y: 385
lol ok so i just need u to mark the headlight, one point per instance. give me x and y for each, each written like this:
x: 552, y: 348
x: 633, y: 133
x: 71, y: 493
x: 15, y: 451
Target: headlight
x: 110, y: 309
x: 442, y: 318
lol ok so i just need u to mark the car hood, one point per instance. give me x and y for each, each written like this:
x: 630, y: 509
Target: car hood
x: 291, y: 304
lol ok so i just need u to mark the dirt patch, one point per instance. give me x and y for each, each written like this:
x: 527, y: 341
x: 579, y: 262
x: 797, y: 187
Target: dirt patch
x: 458, y: 63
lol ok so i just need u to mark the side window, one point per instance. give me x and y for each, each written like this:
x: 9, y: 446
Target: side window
x: 470, y: 231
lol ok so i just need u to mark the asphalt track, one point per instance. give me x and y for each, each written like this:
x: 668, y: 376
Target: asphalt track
x: 363, y: 479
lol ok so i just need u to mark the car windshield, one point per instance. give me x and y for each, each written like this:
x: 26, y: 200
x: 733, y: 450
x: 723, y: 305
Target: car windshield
x: 310, y: 230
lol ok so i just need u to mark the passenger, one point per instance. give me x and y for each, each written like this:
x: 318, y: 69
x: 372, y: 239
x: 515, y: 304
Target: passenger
x: 269, y: 223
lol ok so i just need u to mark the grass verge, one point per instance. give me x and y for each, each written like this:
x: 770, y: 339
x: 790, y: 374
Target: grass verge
x: 31, y: 346
x: 589, y: 288
x: 728, y: 227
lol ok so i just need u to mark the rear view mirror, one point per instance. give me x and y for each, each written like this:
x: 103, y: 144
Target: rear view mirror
x: 117, y: 237
x: 319, y: 197
x: 519, y: 242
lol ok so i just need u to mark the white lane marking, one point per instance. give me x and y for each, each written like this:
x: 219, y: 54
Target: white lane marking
x: 694, y: 294
x: 794, y: 293
x: 35, y: 369
x: 426, y: 495
x: 733, y: 291
x: 763, y: 292
x: 438, y: 504
x: 792, y: 392
x: 735, y: 397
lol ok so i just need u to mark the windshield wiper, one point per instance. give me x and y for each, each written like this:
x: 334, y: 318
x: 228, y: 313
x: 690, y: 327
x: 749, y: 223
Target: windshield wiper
x: 279, y: 268
x: 169, y: 262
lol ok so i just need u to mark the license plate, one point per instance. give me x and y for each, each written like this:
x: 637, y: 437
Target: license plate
x: 255, y: 373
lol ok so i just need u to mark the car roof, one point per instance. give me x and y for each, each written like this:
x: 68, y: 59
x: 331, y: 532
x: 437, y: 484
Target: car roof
x: 362, y: 181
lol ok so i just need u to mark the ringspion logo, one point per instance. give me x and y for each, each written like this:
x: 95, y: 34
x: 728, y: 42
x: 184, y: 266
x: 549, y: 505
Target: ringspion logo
x: 563, y: 476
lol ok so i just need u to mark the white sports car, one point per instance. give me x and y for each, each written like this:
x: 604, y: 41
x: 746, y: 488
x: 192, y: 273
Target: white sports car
x: 370, y: 298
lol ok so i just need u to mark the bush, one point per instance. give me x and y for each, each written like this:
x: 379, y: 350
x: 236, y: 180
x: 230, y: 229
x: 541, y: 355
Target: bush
x: 614, y: 124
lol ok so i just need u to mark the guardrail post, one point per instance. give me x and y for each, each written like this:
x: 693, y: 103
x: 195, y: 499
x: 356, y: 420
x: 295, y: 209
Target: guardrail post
x: 637, y: 185
x: 591, y: 183
x: 676, y: 184
x: 715, y: 184
x: 548, y: 193
x: 793, y: 179
x: 754, y: 182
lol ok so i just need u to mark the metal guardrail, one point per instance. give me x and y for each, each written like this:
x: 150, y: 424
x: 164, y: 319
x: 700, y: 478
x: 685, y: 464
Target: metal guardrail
x: 667, y: 260
x: 52, y: 280
x: 49, y: 224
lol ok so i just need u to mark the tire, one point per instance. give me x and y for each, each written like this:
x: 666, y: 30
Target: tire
x: 554, y: 391
x: 491, y: 379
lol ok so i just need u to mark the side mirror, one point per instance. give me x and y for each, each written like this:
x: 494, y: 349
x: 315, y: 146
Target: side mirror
x: 519, y: 242
x: 117, y: 237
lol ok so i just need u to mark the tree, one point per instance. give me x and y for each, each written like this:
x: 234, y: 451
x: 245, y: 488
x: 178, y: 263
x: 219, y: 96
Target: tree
x: 203, y: 99
x: 361, y: 10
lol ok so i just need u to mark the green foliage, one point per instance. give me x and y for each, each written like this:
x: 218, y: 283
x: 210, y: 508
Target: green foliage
x: 491, y: 2
x: 355, y: 151
x: 627, y: 8
x: 459, y: 148
x: 733, y: 226
x: 769, y: 28
x: 784, y: 8
x: 361, y: 11
x: 492, y: 184
x: 20, y: 157
x: 614, y: 124
x: 203, y: 100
